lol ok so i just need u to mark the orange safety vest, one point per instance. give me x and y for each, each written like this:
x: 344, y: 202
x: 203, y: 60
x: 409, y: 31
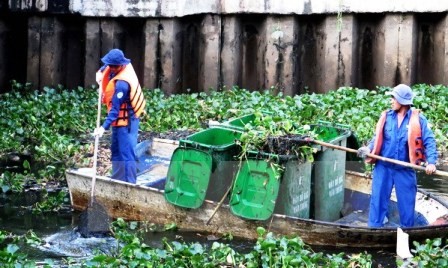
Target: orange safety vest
x: 137, y: 100
x: 415, y: 142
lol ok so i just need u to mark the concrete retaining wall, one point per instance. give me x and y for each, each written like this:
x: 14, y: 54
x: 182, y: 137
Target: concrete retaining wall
x: 191, y: 46
x: 181, y: 8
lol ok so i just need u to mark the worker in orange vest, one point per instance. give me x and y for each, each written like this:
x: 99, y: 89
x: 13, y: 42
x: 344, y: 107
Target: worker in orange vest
x: 402, y: 133
x: 123, y: 97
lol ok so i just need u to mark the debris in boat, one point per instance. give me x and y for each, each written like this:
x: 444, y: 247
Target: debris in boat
x: 104, y: 165
x: 169, y: 135
x: 441, y: 220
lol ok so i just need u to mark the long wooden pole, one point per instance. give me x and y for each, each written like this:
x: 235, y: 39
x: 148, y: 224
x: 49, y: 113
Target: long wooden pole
x: 378, y: 157
x: 95, y: 150
x: 219, y: 204
x: 225, y: 195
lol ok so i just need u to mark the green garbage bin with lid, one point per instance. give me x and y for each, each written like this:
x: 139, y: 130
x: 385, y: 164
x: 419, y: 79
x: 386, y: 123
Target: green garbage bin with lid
x: 294, y: 198
x: 328, y: 172
x: 270, y: 183
x: 202, y: 167
x: 239, y: 123
x: 256, y: 186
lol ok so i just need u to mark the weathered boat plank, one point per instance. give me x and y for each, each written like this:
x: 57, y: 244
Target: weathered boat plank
x: 142, y: 203
x: 135, y: 202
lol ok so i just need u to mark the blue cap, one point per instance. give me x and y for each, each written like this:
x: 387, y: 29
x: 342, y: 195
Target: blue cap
x: 115, y: 57
x: 403, y: 94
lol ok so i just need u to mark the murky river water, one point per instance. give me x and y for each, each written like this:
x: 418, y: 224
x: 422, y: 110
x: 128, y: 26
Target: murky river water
x: 57, y: 229
x: 62, y: 241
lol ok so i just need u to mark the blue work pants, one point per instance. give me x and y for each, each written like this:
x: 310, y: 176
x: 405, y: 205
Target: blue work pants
x: 124, y: 160
x: 385, y: 176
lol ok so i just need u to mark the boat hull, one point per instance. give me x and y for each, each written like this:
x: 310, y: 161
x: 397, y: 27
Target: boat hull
x: 142, y: 203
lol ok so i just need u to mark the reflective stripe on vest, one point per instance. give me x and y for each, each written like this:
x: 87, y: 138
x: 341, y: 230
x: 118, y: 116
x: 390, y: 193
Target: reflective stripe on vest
x: 136, y: 98
x: 415, y: 142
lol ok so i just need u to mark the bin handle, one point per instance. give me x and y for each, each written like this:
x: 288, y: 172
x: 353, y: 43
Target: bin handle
x: 195, y: 145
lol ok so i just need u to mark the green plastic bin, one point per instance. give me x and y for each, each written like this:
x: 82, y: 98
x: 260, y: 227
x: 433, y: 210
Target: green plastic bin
x: 240, y: 122
x: 256, y: 187
x: 202, y: 167
x: 328, y: 172
x: 270, y: 183
x: 188, y: 177
x: 294, y: 198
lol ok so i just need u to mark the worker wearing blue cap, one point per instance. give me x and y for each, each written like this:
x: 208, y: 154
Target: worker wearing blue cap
x: 125, y: 103
x: 403, y: 134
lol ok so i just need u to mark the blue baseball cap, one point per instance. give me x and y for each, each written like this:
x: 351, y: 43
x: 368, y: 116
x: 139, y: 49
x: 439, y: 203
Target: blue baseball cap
x: 115, y: 57
x: 403, y: 94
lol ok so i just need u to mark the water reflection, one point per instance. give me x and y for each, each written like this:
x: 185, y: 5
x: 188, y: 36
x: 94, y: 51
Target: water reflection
x: 16, y: 215
x: 432, y: 183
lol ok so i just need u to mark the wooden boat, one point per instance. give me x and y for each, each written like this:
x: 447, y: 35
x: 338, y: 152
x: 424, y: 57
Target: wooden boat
x: 143, y: 203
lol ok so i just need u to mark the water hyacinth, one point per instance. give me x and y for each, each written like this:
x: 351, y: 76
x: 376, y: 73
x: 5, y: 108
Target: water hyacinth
x: 54, y: 125
x: 268, y: 251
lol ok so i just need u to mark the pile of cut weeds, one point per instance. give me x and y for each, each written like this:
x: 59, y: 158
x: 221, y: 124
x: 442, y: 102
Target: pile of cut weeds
x: 289, y: 144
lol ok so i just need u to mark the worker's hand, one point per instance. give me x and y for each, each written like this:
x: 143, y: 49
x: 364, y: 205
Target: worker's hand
x: 430, y: 168
x: 98, y: 132
x: 363, y: 151
x: 99, y: 76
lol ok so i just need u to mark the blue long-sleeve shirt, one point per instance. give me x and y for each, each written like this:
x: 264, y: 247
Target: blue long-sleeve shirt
x: 120, y: 96
x: 395, y: 139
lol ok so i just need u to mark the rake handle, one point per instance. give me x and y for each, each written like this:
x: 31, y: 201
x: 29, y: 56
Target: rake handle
x: 219, y: 204
x: 378, y: 157
x: 95, y: 150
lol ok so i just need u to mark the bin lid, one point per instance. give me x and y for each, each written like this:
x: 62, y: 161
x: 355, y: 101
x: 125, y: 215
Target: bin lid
x: 188, y: 177
x: 330, y: 132
x: 214, y: 139
x: 255, y: 190
x: 240, y: 122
